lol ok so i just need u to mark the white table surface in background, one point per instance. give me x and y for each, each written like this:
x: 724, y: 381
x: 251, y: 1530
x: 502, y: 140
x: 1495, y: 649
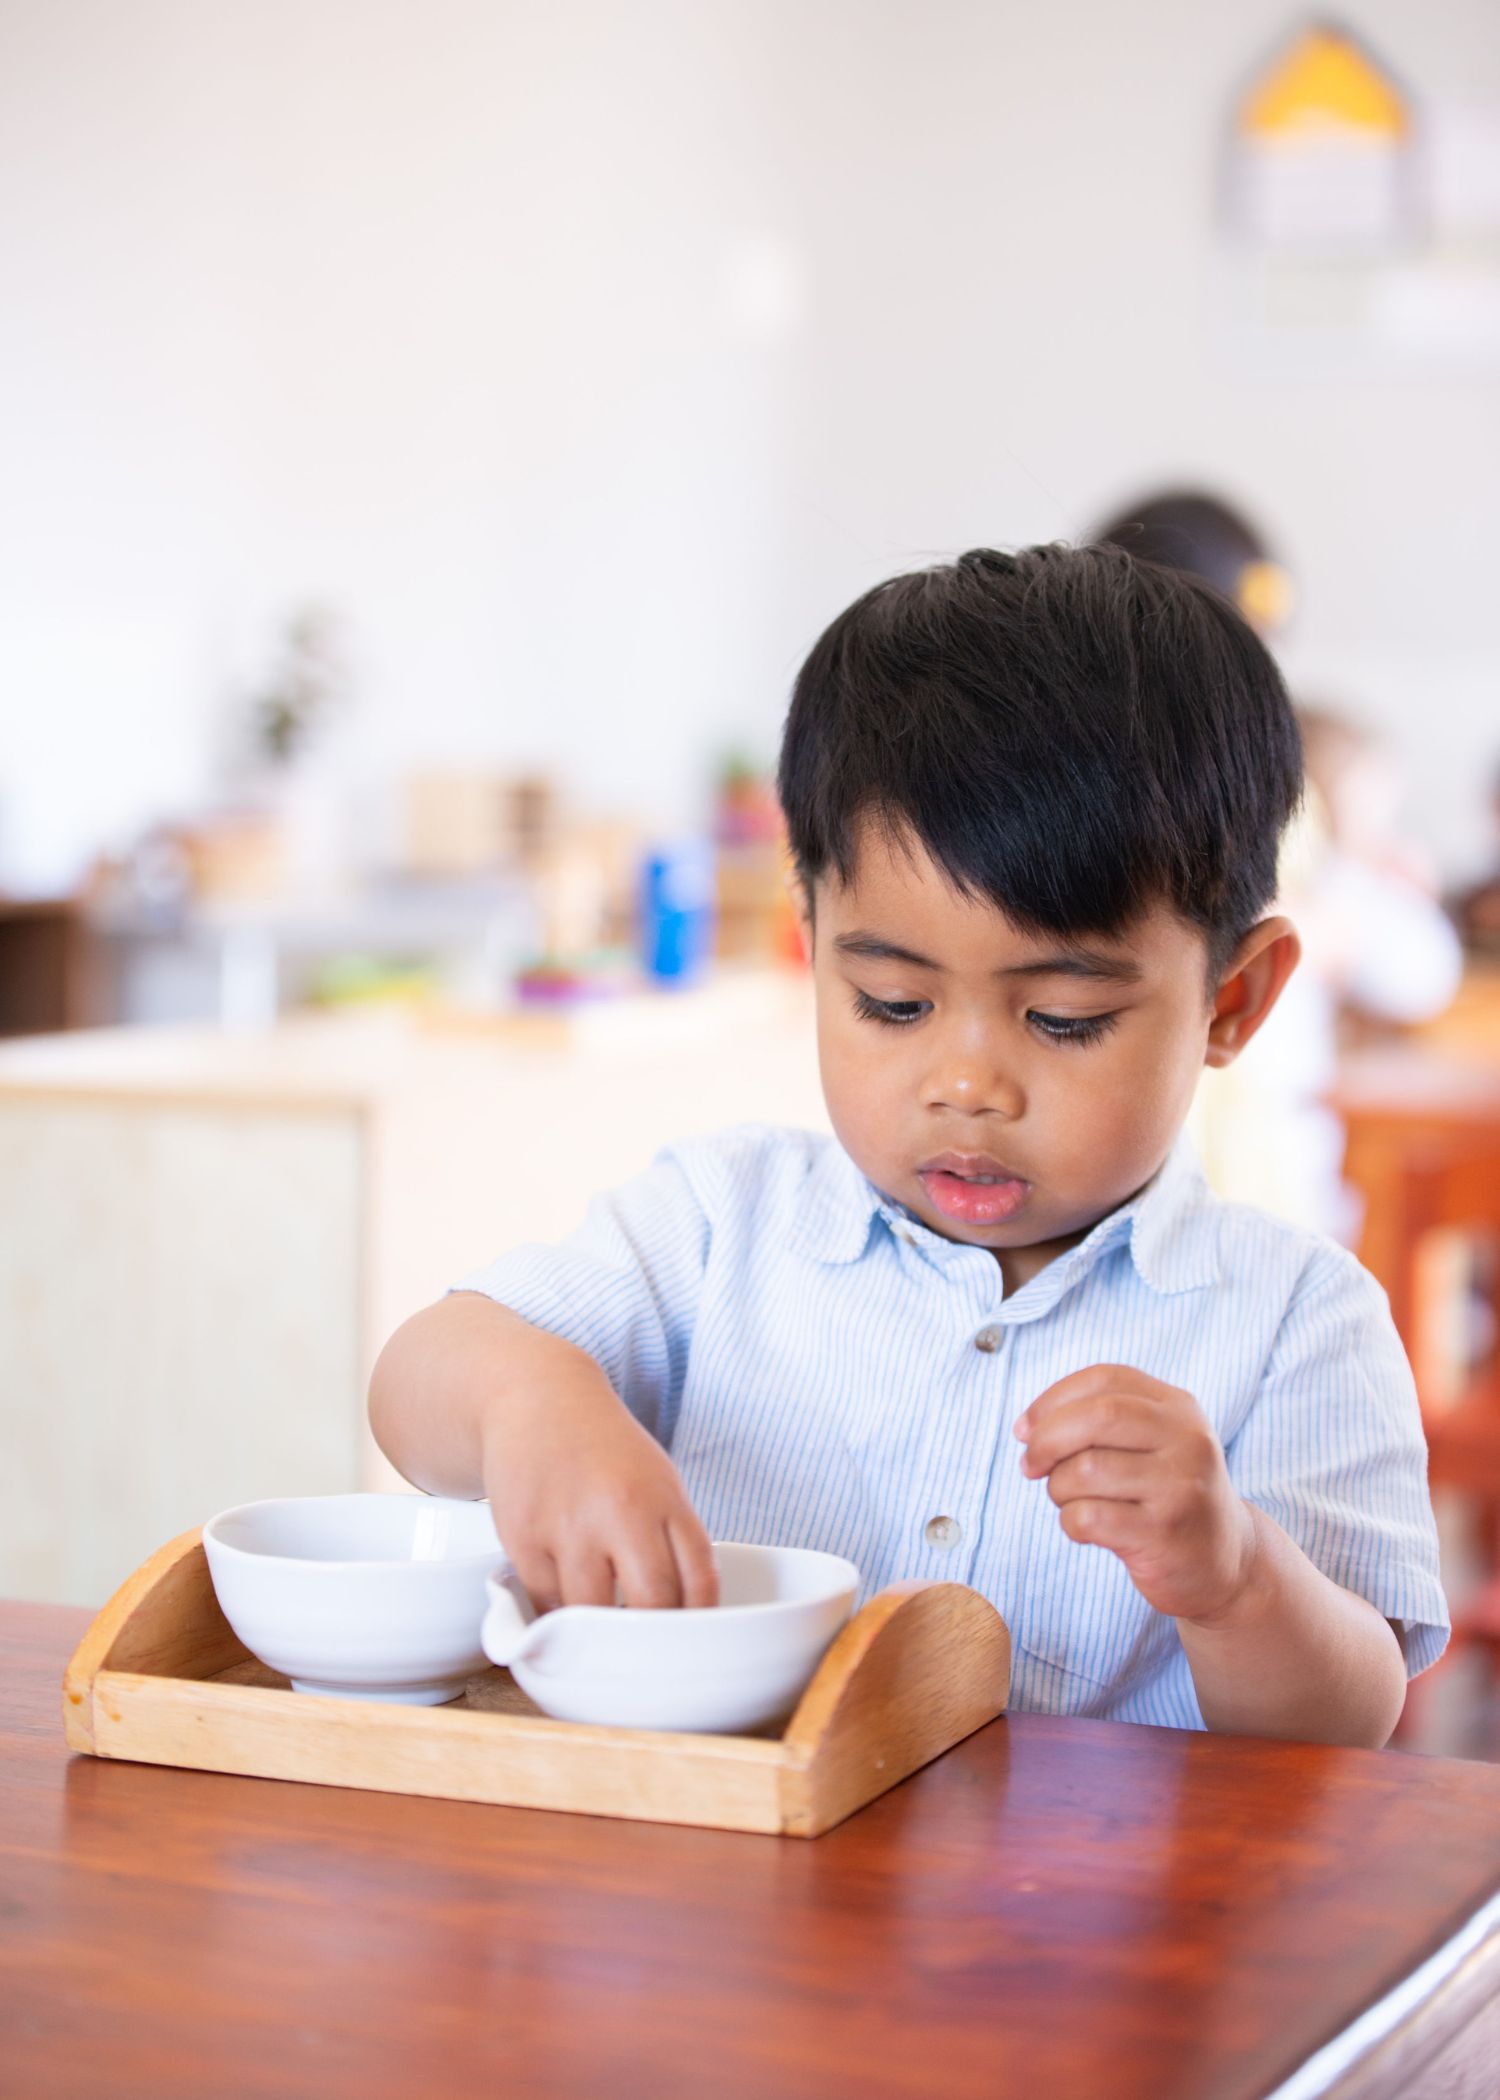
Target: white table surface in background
x: 206, y: 1235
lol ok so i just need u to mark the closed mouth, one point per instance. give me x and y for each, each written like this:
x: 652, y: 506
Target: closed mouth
x: 978, y: 1167
x: 974, y: 1189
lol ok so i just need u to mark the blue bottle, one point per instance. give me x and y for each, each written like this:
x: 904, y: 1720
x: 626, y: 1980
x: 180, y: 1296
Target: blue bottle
x: 677, y: 910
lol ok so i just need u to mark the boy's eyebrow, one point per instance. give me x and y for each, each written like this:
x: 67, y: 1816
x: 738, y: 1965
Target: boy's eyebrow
x: 873, y: 949
x: 1080, y: 962
x: 1071, y: 962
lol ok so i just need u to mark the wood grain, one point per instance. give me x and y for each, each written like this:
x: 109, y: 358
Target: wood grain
x: 163, y: 1619
x: 527, y: 1762
x: 159, y: 1678
x: 1057, y: 1908
x: 922, y: 1664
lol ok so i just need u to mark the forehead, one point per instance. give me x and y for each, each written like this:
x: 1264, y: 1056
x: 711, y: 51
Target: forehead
x: 898, y: 895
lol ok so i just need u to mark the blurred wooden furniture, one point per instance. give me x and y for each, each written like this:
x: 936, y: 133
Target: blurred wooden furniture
x: 1423, y: 1150
x: 1067, y: 1908
x: 47, y: 973
x: 207, y: 1235
x: 1470, y: 1027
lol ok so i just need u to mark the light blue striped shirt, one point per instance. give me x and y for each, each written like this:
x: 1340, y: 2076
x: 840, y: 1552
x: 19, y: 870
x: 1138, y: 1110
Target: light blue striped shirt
x: 825, y: 1371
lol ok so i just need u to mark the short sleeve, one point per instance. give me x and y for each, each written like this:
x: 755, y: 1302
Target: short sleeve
x: 624, y: 1287
x: 1332, y: 1448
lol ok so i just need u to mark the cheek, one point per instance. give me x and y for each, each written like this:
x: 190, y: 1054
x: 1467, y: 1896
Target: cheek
x: 1097, y: 1106
x: 863, y: 1077
x: 1083, y: 1107
x: 1180, y: 1058
x: 1162, y: 1087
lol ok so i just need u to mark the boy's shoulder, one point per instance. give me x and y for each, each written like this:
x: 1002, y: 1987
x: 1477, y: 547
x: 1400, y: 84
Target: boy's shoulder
x: 788, y: 1187
x: 1260, y: 1265
x: 754, y: 1169
x: 1283, y: 1260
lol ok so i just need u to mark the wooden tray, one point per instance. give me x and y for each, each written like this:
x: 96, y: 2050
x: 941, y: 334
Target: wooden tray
x: 159, y: 1678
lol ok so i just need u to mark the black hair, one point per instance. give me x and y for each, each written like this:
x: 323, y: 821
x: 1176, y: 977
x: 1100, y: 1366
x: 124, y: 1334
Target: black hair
x: 1189, y: 529
x: 1072, y: 733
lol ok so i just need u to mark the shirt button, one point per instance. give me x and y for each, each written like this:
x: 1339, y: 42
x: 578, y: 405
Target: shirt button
x: 989, y: 1339
x: 942, y: 1531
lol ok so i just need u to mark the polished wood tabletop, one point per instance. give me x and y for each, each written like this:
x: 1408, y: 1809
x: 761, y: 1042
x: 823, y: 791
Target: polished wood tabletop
x: 1055, y: 1908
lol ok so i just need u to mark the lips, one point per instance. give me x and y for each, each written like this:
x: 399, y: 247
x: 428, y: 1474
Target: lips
x: 973, y: 1188
x: 970, y: 1166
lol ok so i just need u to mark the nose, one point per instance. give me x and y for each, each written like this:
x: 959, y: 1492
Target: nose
x: 967, y: 1076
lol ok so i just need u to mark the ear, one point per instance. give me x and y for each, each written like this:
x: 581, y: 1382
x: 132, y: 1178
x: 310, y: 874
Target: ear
x: 1250, y: 987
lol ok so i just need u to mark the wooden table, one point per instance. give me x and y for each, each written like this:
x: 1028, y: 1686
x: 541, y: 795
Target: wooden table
x: 1056, y: 1908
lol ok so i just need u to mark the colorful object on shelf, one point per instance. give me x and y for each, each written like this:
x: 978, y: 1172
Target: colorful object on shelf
x: 469, y: 822
x: 757, y: 920
x: 746, y: 812
x: 677, y: 900
x: 371, y: 980
x: 564, y: 980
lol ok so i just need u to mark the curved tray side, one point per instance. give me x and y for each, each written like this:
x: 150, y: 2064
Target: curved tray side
x: 163, y: 1621
x: 918, y: 1668
x: 921, y: 1666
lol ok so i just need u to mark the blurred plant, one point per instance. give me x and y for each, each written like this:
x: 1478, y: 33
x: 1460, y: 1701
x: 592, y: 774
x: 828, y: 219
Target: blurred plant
x: 307, y: 680
x: 746, y: 811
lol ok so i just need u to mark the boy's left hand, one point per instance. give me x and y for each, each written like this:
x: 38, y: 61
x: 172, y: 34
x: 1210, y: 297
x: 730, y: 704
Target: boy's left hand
x: 1134, y: 1465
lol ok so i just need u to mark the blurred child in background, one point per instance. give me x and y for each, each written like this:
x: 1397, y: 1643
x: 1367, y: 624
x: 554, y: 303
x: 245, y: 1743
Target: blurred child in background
x: 1192, y: 530
x: 1372, y: 920
x: 1378, y: 949
x: 1378, y: 952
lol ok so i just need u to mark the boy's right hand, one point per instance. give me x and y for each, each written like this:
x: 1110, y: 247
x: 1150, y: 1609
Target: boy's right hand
x: 584, y: 1499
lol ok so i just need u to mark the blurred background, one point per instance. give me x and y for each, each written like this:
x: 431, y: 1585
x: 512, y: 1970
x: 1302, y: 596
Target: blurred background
x: 432, y: 438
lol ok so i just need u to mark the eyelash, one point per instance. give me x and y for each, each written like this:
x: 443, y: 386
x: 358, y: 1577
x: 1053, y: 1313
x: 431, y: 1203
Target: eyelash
x: 1080, y: 1028
x: 1057, y: 1028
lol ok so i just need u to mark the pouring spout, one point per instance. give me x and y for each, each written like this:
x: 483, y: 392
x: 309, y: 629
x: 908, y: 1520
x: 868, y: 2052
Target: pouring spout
x: 511, y: 1632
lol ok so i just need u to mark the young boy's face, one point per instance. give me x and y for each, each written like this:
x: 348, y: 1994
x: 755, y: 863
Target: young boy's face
x: 1011, y: 1089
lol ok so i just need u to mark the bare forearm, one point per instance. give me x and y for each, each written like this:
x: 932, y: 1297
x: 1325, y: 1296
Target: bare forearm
x: 470, y: 1399
x: 1295, y: 1655
x: 449, y: 1374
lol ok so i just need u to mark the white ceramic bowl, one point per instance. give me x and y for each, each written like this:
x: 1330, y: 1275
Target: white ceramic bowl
x: 358, y: 1596
x: 736, y: 1666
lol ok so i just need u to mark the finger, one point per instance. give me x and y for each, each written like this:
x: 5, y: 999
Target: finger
x: 1123, y: 1421
x: 1122, y: 1527
x: 696, y: 1567
x: 538, y: 1575
x: 588, y: 1575
x: 1099, y: 1472
x: 1079, y: 1385
x: 1093, y: 1382
x: 647, y: 1569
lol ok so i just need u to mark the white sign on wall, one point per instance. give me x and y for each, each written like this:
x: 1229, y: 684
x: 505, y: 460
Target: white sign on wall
x: 1361, y: 228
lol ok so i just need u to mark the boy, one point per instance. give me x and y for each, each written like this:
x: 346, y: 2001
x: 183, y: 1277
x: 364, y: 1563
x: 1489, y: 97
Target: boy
x: 1000, y: 1332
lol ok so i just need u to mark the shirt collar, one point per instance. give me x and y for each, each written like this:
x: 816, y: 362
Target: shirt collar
x: 837, y: 1208
x: 1172, y: 1240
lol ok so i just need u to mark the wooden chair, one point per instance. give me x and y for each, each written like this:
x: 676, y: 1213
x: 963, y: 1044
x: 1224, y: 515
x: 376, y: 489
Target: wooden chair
x: 1424, y: 1151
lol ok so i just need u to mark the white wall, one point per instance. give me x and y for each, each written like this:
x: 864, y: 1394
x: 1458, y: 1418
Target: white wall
x: 590, y: 356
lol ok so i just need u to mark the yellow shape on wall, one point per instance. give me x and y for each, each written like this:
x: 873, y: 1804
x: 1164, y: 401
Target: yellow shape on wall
x: 1324, y: 82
